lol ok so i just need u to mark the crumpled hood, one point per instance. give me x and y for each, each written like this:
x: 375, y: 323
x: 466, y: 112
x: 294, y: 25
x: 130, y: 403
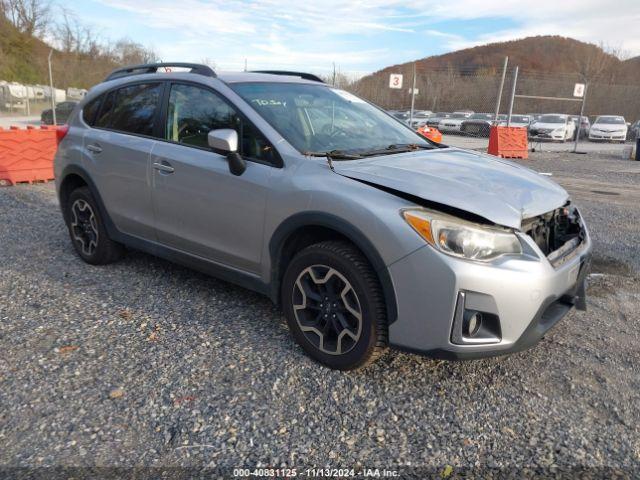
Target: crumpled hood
x: 495, y: 189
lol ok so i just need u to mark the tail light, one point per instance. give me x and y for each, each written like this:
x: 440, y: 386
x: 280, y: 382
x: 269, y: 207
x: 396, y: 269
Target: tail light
x: 61, y: 132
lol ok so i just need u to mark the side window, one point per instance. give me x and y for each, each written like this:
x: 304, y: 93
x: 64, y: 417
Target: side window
x: 131, y: 109
x: 193, y: 112
x: 90, y: 110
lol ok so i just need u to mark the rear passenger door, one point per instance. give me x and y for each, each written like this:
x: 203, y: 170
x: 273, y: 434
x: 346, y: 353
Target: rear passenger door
x: 117, y: 150
x: 201, y: 208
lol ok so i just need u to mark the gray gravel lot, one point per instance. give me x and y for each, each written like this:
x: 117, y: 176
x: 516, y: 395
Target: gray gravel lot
x: 145, y: 363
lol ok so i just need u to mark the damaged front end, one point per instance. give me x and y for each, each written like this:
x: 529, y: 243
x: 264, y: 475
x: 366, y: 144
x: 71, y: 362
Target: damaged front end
x: 558, y: 233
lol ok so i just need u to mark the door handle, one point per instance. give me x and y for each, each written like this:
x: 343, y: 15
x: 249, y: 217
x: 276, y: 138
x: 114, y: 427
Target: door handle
x: 94, y: 148
x: 164, y: 167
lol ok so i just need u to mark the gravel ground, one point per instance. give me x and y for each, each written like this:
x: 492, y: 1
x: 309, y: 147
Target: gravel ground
x: 144, y: 363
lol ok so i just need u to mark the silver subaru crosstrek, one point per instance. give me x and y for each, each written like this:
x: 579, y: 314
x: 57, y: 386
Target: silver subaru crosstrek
x: 365, y: 233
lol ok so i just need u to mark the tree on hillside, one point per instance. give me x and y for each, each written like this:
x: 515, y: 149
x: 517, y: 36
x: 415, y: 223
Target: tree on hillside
x: 128, y: 52
x: 31, y: 17
x: 597, y: 63
x: 73, y: 37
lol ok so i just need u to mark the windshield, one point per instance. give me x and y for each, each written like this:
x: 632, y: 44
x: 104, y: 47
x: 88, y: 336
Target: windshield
x: 552, y: 119
x: 317, y: 118
x: 482, y: 116
x: 611, y: 120
x: 459, y: 115
x: 519, y: 118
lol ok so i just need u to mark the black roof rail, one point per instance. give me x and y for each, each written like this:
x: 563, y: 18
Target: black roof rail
x: 306, y: 76
x: 153, y: 68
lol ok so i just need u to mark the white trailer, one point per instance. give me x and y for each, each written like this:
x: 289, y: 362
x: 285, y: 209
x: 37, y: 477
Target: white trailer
x: 76, y: 93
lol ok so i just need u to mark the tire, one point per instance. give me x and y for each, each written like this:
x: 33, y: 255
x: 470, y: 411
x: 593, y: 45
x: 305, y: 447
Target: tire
x: 87, y: 231
x: 350, y: 330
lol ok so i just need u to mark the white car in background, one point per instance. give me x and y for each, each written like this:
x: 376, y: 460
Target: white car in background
x: 522, y: 121
x: 454, y: 122
x: 420, y: 118
x: 612, y: 128
x: 555, y: 126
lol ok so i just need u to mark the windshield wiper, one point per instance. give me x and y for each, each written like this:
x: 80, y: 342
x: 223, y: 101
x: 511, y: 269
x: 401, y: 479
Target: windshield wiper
x: 409, y: 146
x: 397, y: 148
x: 335, y: 155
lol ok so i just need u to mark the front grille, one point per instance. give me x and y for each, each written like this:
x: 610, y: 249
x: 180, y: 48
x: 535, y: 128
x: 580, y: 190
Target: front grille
x: 557, y: 233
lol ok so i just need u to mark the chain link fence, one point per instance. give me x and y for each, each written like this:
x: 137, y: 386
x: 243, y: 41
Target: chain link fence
x: 24, y: 104
x: 462, y: 102
x: 446, y: 98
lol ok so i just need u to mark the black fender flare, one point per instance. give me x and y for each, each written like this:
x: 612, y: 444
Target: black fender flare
x: 343, y: 227
x: 82, y: 173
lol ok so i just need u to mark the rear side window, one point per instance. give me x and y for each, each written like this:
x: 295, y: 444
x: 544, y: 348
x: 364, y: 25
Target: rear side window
x: 131, y: 109
x: 90, y: 110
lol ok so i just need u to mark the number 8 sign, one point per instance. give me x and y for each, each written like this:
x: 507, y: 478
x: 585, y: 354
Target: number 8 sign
x: 395, y: 80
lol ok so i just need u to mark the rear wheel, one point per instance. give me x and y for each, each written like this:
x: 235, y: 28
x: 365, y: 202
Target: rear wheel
x: 87, y: 231
x: 334, y: 305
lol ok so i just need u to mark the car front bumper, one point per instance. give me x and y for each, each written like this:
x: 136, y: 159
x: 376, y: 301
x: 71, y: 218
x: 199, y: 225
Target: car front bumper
x: 607, y: 136
x: 548, y: 136
x: 527, y: 296
x: 449, y: 128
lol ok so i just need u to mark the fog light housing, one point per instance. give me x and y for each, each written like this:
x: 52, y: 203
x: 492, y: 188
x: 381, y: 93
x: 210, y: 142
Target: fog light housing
x: 473, y: 325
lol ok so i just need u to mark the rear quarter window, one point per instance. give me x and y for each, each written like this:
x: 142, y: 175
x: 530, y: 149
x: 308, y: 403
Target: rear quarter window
x: 90, y: 111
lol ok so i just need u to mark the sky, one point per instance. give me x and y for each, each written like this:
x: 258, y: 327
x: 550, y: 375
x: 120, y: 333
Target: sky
x: 358, y: 36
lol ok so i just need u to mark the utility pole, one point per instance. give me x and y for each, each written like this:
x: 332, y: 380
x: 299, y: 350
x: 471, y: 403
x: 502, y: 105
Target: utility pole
x: 413, y: 95
x: 584, y: 100
x: 245, y: 64
x: 499, y: 99
x: 53, y: 92
x: 513, y: 95
x: 333, y: 82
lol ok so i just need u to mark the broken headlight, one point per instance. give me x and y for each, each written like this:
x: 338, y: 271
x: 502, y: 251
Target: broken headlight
x: 459, y: 238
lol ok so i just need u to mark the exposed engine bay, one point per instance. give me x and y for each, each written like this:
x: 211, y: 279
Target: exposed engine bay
x: 557, y: 233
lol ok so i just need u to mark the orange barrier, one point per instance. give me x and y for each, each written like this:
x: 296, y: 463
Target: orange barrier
x: 26, y: 156
x: 431, y: 133
x: 508, y: 142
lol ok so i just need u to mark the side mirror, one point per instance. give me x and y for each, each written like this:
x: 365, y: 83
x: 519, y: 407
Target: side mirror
x: 226, y: 140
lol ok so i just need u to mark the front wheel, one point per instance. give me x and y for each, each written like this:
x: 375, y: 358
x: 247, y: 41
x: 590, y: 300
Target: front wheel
x: 334, y: 305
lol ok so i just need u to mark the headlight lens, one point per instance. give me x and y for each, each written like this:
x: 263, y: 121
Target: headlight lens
x: 462, y: 239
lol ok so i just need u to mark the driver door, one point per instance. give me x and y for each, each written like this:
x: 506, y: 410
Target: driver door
x: 200, y: 207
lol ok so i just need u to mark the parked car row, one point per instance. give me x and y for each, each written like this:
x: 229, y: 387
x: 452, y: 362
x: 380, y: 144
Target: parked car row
x: 553, y: 127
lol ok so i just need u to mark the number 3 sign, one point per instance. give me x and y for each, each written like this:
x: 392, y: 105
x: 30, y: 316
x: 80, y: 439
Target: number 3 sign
x: 395, y: 80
